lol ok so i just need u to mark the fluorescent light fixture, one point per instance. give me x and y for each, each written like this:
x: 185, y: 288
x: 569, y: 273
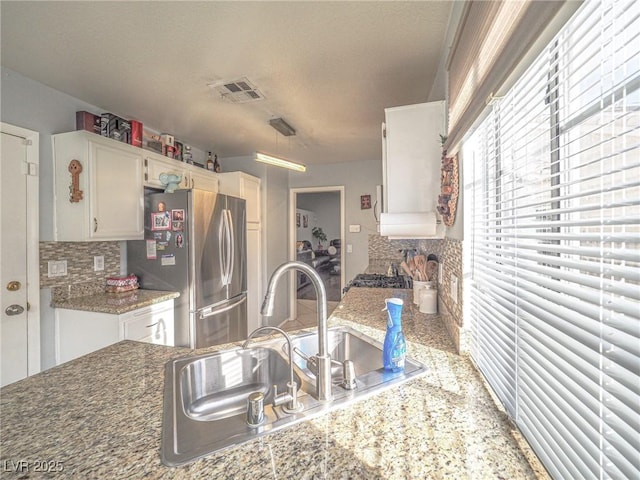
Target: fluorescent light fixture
x: 279, y: 162
x: 283, y: 127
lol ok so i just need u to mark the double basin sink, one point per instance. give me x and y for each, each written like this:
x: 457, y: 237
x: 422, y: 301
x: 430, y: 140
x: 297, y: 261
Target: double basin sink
x: 205, y: 397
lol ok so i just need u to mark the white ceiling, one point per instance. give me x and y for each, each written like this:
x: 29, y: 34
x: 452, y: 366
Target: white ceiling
x: 328, y: 68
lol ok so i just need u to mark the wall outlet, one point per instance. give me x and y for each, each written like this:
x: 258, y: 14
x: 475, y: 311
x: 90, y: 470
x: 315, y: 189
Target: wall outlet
x: 354, y: 228
x: 454, y: 288
x: 98, y: 263
x: 56, y: 268
x: 349, y: 248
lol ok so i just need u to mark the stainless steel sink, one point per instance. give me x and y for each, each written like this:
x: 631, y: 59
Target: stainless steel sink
x: 344, y: 344
x: 217, y: 386
x: 205, y: 397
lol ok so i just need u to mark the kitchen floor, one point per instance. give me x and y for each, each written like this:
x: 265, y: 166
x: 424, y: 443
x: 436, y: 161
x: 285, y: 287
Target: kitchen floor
x: 307, y: 315
x: 331, y: 285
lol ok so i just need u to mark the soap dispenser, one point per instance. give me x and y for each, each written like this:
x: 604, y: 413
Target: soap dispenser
x: 394, y: 349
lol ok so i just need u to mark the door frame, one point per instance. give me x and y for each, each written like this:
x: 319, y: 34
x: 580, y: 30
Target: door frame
x: 293, y: 192
x: 32, y: 171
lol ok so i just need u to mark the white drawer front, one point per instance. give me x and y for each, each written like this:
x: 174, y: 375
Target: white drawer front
x: 151, y: 324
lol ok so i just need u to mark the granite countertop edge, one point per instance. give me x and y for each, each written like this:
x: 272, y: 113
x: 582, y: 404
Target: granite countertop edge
x: 115, y: 303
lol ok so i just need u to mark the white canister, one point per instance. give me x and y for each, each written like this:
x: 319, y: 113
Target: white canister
x: 428, y: 300
x: 417, y: 286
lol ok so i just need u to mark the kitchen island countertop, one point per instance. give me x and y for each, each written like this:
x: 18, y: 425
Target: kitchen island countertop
x: 100, y: 416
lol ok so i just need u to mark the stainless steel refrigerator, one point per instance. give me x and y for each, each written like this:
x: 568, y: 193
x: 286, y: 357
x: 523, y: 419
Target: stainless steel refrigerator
x: 195, y: 243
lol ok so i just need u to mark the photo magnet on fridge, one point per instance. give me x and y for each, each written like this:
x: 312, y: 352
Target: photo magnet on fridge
x: 177, y: 226
x: 160, y: 221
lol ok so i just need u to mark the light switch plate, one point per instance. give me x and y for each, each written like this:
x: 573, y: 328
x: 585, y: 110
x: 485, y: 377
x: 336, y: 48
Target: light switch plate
x: 56, y: 268
x: 349, y: 248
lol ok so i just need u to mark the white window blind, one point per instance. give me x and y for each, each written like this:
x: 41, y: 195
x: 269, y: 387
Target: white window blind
x: 552, y: 205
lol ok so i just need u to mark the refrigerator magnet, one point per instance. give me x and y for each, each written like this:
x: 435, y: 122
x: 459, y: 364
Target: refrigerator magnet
x: 151, y: 250
x: 167, y: 236
x: 177, y: 226
x: 168, y: 259
x: 160, y: 221
x: 179, y: 240
x: 177, y: 215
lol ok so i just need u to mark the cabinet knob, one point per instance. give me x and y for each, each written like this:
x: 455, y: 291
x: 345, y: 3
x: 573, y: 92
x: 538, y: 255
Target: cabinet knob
x: 95, y: 224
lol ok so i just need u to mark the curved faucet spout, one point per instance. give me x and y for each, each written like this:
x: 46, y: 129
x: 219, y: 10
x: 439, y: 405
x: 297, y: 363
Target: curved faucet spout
x: 323, y: 379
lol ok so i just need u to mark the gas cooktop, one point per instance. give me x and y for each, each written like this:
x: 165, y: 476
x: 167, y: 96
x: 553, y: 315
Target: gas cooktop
x: 378, y: 280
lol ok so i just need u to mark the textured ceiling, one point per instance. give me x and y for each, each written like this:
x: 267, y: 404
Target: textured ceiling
x: 328, y: 68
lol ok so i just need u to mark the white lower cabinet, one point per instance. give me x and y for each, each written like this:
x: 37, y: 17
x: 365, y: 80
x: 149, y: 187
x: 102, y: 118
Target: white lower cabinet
x: 79, y: 332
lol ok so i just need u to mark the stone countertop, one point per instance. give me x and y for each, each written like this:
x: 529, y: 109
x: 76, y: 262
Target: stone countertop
x: 115, y: 303
x: 100, y: 416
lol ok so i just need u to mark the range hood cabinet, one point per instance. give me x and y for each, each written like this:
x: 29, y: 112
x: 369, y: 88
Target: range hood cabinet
x: 411, y: 157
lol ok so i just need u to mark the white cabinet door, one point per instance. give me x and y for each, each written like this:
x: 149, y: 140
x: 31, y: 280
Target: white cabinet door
x: 153, y: 324
x: 254, y: 277
x: 203, y: 179
x: 412, y: 156
x: 156, y: 164
x: 251, y: 192
x: 78, y: 333
x: 110, y: 205
x: 115, y: 193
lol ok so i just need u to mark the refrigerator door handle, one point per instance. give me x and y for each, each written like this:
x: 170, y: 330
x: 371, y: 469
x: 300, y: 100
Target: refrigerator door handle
x: 222, y: 250
x: 232, y: 242
x: 207, y: 312
x: 227, y: 247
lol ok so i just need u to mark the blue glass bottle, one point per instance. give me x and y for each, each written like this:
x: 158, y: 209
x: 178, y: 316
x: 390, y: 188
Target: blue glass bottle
x: 394, y: 349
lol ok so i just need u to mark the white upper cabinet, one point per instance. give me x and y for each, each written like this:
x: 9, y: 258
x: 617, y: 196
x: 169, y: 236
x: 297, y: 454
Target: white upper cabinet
x: 411, y: 157
x: 192, y: 176
x: 203, y: 179
x: 156, y: 164
x: 243, y: 185
x: 100, y: 196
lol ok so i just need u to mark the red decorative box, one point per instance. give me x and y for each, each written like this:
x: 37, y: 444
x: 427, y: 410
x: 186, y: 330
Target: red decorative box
x: 88, y: 121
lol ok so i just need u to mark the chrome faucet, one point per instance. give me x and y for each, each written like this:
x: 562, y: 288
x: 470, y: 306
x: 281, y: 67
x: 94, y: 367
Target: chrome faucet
x: 323, y: 359
x: 291, y: 396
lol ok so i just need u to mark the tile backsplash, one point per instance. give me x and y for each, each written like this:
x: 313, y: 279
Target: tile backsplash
x: 382, y: 252
x: 81, y: 279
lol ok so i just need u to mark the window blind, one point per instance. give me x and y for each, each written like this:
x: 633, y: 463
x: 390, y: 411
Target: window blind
x: 552, y: 205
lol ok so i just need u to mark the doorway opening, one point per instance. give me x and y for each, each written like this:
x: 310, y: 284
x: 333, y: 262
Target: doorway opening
x: 316, y: 236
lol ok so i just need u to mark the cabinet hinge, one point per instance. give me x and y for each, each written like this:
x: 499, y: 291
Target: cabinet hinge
x: 27, y: 142
x: 29, y: 168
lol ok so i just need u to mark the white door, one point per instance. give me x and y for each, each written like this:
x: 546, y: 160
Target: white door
x: 19, y: 282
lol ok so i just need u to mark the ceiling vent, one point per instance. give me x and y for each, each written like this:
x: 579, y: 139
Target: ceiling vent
x: 237, y: 91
